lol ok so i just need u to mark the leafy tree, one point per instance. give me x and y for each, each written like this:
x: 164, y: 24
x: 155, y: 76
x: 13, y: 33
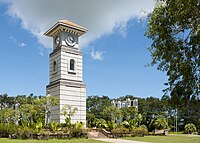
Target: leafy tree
x: 50, y: 101
x: 68, y: 111
x: 128, y: 112
x: 96, y: 104
x: 9, y: 115
x: 27, y: 112
x: 174, y: 28
x: 91, y: 120
x: 111, y: 113
x: 20, y: 99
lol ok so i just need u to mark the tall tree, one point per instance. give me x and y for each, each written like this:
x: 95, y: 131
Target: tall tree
x: 174, y: 28
x: 111, y: 113
x: 96, y: 104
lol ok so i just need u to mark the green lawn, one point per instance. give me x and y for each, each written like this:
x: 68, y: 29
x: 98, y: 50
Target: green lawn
x: 6, y: 140
x: 167, y: 139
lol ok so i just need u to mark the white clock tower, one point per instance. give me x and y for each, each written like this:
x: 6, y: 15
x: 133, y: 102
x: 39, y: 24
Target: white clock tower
x: 66, y: 70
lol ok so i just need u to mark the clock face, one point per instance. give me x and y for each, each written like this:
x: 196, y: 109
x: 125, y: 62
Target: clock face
x: 70, y: 40
x: 57, y: 41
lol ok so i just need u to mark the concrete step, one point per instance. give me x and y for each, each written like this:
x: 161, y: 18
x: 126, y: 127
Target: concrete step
x: 96, y: 134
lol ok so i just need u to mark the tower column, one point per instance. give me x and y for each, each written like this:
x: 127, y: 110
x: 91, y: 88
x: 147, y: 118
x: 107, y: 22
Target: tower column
x: 66, y: 71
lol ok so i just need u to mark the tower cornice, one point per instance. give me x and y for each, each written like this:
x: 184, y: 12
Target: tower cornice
x: 66, y: 26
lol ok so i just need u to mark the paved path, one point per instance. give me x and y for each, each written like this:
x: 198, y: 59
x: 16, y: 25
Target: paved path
x: 118, y: 140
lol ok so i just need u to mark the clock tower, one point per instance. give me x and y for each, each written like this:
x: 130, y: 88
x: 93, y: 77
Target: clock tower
x: 66, y: 71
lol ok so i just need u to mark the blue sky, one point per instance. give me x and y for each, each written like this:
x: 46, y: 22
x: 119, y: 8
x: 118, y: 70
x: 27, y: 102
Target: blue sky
x: 114, y: 50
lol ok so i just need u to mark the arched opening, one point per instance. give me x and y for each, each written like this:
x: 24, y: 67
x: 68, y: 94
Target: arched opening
x: 72, y: 65
x: 54, y: 65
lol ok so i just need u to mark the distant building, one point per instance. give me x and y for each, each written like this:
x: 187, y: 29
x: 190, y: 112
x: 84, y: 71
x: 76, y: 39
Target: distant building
x: 126, y: 103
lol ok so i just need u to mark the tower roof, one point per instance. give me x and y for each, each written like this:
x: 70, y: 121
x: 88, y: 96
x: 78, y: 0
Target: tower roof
x: 67, y: 26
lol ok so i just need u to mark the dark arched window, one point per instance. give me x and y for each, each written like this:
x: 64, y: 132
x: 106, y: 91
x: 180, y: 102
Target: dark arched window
x: 72, y: 64
x: 54, y: 65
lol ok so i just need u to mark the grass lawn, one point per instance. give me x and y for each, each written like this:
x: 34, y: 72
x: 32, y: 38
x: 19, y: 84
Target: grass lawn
x: 167, y: 139
x: 6, y: 140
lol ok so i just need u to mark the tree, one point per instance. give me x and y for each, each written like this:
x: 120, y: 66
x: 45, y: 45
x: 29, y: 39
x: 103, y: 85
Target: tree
x: 96, y: 104
x: 32, y: 111
x: 91, y: 120
x: 111, y: 113
x: 161, y: 123
x: 7, y: 115
x: 51, y: 101
x: 27, y: 112
x: 174, y: 28
x: 128, y: 112
x: 68, y: 111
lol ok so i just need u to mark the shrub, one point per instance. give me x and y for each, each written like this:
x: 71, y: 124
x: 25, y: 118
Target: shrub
x: 37, y: 127
x: 7, y: 129
x: 120, y: 132
x: 126, y: 124
x: 124, y: 132
x: 141, y: 131
x: 143, y: 127
x: 54, y: 126
x: 101, y: 123
x: 24, y: 133
x: 111, y: 125
x: 77, y: 130
x: 190, y: 128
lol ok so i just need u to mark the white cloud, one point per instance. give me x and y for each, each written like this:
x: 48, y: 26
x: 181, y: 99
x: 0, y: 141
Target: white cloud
x: 100, y: 17
x: 13, y: 39
x: 41, y: 53
x: 22, y: 44
x: 98, y: 55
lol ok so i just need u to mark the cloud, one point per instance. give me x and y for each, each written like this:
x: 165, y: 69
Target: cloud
x: 98, y: 55
x: 13, y: 39
x: 100, y: 17
x: 20, y: 44
x: 41, y: 53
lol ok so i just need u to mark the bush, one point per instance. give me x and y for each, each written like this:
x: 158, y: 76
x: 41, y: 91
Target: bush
x: 37, y: 127
x: 54, y: 126
x: 141, y: 131
x: 120, y: 132
x: 77, y: 130
x: 190, y: 128
x: 143, y: 127
x: 7, y: 129
x: 24, y: 133
x: 124, y: 132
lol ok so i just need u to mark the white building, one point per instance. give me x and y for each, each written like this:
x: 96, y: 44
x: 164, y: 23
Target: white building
x: 126, y: 103
x: 66, y: 82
